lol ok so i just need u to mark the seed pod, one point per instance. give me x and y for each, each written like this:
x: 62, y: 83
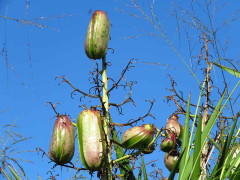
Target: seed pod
x: 174, y: 126
x: 170, y: 159
x: 169, y: 143
x: 62, y: 143
x: 138, y: 137
x: 91, y: 142
x: 96, y: 42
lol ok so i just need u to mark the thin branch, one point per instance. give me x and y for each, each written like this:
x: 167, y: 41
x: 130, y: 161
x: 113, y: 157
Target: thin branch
x: 76, y: 89
x: 131, y: 121
x: 129, y: 65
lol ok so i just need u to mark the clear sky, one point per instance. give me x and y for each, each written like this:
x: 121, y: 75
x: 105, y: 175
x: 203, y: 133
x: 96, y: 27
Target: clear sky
x: 52, y: 44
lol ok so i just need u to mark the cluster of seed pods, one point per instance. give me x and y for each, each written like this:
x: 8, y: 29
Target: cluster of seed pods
x: 91, y: 137
x: 172, y: 141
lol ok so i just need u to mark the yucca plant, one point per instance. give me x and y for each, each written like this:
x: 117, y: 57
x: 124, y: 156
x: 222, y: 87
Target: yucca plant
x: 189, y: 148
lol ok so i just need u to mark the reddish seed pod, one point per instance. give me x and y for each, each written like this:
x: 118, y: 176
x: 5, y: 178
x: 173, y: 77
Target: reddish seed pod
x: 170, y: 159
x: 169, y: 143
x: 62, y: 144
x: 174, y: 126
x: 138, y: 137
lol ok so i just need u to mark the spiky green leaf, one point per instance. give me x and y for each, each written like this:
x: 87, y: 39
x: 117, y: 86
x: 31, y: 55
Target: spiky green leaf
x: 231, y: 71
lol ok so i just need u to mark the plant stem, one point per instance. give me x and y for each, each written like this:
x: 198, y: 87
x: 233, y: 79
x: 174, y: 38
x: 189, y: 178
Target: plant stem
x: 205, y: 113
x: 105, y: 99
x: 105, y: 104
x: 127, y: 156
x: 155, y: 138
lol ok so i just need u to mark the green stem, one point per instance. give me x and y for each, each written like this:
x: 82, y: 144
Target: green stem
x: 127, y: 156
x: 105, y: 102
x: 155, y: 138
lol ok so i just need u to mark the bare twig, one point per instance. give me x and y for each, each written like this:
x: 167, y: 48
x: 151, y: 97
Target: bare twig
x: 132, y: 121
x: 76, y: 89
x: 54, y: 107
x: 116, y: 84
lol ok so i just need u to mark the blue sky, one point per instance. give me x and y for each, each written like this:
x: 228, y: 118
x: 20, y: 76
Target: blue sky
x: 37, y: 54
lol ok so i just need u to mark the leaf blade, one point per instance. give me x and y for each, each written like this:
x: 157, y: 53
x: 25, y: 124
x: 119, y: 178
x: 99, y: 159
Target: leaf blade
x: 229, y: 70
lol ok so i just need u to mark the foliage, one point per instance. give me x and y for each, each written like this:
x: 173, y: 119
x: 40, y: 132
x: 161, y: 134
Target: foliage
x: 10, y: 151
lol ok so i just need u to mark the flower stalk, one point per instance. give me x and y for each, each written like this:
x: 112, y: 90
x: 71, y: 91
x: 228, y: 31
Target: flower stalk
x: 106, y: 118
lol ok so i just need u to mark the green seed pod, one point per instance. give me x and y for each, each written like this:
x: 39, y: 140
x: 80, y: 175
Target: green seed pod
x: 138, y: 137
x: 98, y: 33
x: 62, y: 143
x: 91, y: 142
x: 170, y: 159
x: 169, y: 143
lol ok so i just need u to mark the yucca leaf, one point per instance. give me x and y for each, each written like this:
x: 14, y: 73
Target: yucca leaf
x: 14, y: 173
x: 185, y: 139
x: 231, y: 71
x: 189, y: 161
x: 233, y: 163
x: 225, y: 150
x: 235, y: 120
x: 217, y: 170
x: 236, y: 174
x: 211, y: 121
x: 5, y: 174
x: 140, y: 174
x: 226, y: 165
x: 143, y: 167
x: 215, y: 144
x: 197, y: 150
